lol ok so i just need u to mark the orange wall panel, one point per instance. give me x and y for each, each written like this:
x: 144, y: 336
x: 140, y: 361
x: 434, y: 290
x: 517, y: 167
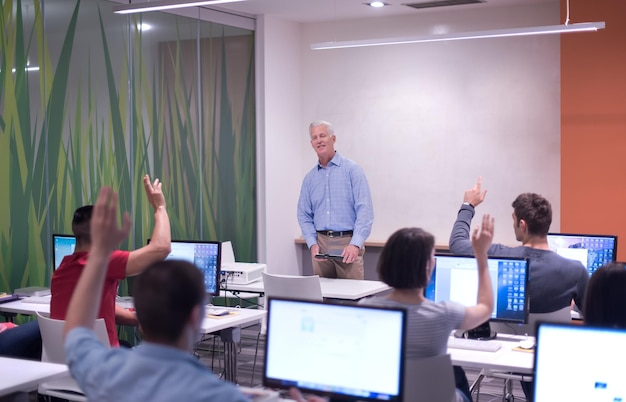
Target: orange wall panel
x: 593, y: 122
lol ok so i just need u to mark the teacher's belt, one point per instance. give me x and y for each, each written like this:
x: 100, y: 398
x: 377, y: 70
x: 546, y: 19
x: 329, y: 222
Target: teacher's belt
x: 335, y: 233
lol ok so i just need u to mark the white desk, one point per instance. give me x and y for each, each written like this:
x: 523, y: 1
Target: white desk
x: 346, y: 289
x: 19, y: 375
x: 229, y: 330
x: 24, y: 307
x: 238, y: 316
x: 505, y: 359
x: 227, y: 326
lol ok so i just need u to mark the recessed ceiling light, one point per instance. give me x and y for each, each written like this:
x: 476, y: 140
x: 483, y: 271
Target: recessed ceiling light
x: 377, y: 4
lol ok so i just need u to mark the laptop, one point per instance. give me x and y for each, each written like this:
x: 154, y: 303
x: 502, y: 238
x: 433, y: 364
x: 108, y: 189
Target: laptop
x: 343, y: 351
x: 579, y: 363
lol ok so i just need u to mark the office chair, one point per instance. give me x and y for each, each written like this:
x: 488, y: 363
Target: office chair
x: 560, y: 316
x: 429, y: 379
x: 289, y: 286
x: 53, y: 350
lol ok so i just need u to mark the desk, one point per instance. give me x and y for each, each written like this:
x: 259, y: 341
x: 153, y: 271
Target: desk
x: 230, y: 332
x: 19, y: 375
x: 24, y: 307
x: 506, y: 359
x: 227, y: 326
x: 346, y: 289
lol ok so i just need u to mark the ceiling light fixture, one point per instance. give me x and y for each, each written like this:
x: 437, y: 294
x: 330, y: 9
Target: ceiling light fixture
x: 145, y: 6
x: 377, y: 4
x: 495, y: 33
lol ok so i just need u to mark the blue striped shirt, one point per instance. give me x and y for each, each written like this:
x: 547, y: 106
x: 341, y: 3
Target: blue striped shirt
x: 336, y: 197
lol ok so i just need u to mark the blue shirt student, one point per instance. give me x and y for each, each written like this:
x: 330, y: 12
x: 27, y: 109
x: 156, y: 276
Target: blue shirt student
x: 149, y: 372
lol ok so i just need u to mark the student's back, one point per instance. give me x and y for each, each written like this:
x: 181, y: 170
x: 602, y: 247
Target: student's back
x: 149, y: 372
x: 553, y: 281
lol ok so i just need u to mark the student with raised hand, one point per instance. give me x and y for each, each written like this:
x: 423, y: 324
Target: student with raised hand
x: 121, y: 263
x: 553, y: 281
x: 169, y: 300
x: 406, y: 264
x: 605, y: 298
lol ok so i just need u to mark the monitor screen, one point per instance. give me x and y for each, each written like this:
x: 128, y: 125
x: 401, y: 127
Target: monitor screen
x: 456, y: 278
x: 206, y: 255
x: 343, y: 351
x: 592, y: 250
x: 591, y: 358
x: 62, y: 245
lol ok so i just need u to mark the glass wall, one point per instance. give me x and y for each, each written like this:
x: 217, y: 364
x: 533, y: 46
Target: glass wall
x: 91, y: 98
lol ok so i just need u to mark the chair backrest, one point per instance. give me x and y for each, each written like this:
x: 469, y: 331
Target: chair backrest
x: 563, y: 315
x: 295, y: 287
x: 429, y: 379
x: 52, y: 345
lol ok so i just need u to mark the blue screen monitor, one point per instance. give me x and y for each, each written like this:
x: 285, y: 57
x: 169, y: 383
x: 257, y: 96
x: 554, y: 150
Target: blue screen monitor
x: 344, y: 351
x: 579, y: 363
x: 456, y: 278
x: 206, y: 255
x: 62, y: 245
x: 593, y: 251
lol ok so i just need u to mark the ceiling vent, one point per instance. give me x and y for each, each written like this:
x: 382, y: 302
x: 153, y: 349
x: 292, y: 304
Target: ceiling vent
x: 441, y: 3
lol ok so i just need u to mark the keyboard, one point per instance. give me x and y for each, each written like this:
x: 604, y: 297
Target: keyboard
x: 473, y: 344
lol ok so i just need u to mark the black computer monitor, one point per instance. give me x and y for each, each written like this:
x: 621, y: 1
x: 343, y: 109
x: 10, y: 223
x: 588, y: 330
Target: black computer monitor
x: 206, y: 255
x: 344, y: 351
x: 592, y: 250
x: 455, y: 278
x: 62, y: 245
x: 579, y: 363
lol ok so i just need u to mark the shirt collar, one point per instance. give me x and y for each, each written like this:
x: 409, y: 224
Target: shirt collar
x: 336, y: 160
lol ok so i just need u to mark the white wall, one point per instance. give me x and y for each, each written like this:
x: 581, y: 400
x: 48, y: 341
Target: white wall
x: 424, y: 120
x: 280, y: 136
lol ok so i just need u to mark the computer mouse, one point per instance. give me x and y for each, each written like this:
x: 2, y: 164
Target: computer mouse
x: 527, y: 344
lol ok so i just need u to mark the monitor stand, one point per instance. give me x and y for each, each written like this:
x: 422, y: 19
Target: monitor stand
x: 482, y: 332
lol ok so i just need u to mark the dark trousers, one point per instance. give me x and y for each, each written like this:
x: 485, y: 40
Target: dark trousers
x: 460, y: 380
x: 23, y: 341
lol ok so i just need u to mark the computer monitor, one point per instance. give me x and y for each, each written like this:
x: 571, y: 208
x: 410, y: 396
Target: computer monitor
x: 579, y: 363
x: 455, y: 278
x: 62, y: 245
x: 206, y: 255
x: 592, y: 250
x: 344, y: 351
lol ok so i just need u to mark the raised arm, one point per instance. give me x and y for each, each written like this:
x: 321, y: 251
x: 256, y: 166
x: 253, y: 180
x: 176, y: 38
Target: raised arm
x: 459, y: 242
x: 105, y: 236
x: 481, y: 240
x: 160, y: 242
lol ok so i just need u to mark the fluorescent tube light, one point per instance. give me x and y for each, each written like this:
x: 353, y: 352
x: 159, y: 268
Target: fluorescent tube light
x: 145, y: 6
x: 495, y: 33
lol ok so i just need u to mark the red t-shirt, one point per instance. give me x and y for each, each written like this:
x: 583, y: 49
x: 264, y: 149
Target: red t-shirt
x: 66, y: 277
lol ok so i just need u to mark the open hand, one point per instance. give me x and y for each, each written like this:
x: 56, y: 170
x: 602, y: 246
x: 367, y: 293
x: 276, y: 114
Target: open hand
x: 475, y: 195
x: 483, y: 235
x: 154, y: 192
x: 106, y: 235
